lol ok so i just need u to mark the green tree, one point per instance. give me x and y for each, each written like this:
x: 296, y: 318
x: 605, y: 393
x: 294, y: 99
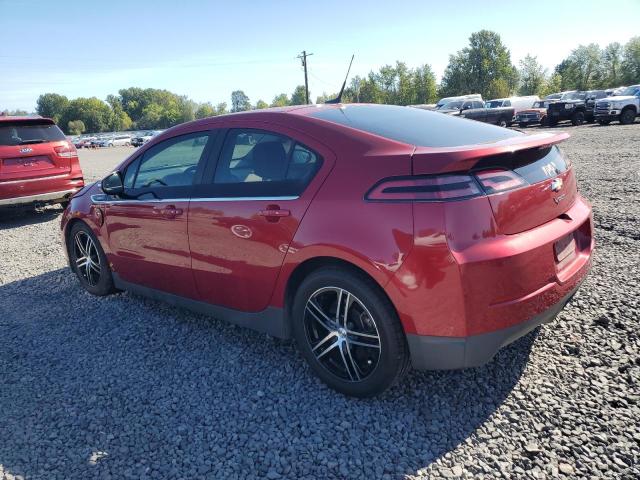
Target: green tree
x: 205, y: 110
x: 298, y: 97
x: 239, y: 101
x: 533, y: 76
x: 612, y: 65
x: 326, y: 96
x: 221, y: 108
x: 281, y: 100
x: 76, y: 127
x: 424, y: 83
x: 582, y: 69
x: 483, y: 67
x: 631, y: 61
x: 260, y: 104
x: 93, y: 112
x: 552, y: 85
x: 52, y: 105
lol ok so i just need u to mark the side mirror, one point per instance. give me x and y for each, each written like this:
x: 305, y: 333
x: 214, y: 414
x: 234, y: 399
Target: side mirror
x: 112, y: 184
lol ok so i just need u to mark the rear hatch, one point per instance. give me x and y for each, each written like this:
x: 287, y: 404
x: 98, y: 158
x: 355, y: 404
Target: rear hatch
x: 527, y: 179
x: 32, y: 148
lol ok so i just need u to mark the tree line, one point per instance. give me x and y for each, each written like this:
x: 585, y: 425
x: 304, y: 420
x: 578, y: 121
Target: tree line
x: 484, y: 67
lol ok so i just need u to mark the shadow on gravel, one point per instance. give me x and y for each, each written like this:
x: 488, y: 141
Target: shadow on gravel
x: 20, y: 217
x: 125, y: 387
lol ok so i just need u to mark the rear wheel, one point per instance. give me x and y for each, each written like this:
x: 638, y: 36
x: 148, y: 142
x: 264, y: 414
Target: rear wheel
x: 348, y: 332
x: 88, y: 261
x: 627, y: 116
x: 577, y: 118
x: 502, y: 123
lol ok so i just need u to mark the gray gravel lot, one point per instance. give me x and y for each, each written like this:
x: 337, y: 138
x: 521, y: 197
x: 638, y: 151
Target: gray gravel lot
x: 123, y: 387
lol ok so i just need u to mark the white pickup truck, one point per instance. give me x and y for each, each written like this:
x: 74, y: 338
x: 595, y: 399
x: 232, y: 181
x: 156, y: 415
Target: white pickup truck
x: 624, y: 107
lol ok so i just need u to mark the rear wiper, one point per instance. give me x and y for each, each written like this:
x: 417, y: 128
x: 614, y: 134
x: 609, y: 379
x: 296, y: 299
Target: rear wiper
x: 35, y: 140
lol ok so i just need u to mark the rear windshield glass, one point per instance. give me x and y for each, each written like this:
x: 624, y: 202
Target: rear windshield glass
x: 24, y: 134
x: 414, y: 126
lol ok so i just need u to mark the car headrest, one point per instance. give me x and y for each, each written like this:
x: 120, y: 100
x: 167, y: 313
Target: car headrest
x: 270, y: 160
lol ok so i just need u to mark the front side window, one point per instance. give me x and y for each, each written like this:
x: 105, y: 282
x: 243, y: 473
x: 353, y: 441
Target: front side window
x: 259, y: 163
x: 172, y: 163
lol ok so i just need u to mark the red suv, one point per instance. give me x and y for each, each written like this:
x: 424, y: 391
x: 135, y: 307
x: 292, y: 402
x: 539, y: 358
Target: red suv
x: 37, y: 163
x: 377, y: 236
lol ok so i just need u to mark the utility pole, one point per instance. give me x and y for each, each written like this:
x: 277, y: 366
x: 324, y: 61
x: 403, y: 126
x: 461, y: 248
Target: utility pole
x: 303, y: 57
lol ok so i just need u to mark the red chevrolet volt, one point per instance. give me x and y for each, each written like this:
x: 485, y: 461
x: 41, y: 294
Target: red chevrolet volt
x: 37, y: 163
x: 376, y: 236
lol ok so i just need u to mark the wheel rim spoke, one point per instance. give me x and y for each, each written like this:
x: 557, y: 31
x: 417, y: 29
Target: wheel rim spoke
x: 87, y: 259
x: 342, y: 334
x: 325, y: 321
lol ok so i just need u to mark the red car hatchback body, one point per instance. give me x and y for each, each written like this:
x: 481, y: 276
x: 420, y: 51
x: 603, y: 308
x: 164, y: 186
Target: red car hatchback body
x: 376, y: 236
x: 37, y: 163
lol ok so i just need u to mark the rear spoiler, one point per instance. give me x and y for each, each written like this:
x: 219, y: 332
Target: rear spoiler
x: 430, y: 160
x: 22, y: 121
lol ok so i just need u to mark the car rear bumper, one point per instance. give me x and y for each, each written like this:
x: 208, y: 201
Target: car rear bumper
x: 450, y: 353
x: 49, y: 197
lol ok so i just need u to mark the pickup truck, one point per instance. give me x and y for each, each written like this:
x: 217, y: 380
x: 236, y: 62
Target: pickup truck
x: 624, y: 107
x: 502, y: 116
x: 576, y: 106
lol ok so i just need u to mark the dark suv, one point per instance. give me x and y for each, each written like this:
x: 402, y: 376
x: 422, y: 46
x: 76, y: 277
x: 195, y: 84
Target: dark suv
x: 576, y: 106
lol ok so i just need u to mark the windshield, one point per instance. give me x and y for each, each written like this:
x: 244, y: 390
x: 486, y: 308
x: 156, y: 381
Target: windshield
x: 629, y: 91
x: 573, y: 96
x: 539, y: 105
x: 494, y: 104
x: 553, y: 96
x: 22, y: 134
x: 450, y: 105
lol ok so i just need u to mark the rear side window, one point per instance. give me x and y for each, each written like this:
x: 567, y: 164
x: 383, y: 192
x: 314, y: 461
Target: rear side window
x: 23, y: 133
x: 260, y: 163
x: 414, y: 126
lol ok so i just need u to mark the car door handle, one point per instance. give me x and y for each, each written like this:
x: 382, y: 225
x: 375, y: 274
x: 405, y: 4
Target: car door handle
x: 274, y: 212
x: 170, y: 211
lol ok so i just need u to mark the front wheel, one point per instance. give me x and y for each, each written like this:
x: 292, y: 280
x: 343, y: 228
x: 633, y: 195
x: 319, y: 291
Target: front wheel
x: 88, y: 261
x: 348, y: 332
x: 627, y: 116
x: 577, y: 119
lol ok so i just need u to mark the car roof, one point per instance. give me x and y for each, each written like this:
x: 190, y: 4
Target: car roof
x: 39, y: 120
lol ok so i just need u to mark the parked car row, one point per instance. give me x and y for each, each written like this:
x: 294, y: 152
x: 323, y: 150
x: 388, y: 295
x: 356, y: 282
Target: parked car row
x: 621, y: 104
x: 135, y: 139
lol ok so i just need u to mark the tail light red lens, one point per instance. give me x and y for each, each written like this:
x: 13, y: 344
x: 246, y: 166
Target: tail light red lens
x: 433, y: 188
x: 496, y: 181
x: 66, y: 151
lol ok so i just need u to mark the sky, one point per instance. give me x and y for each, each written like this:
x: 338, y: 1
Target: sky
x: 207, y: 49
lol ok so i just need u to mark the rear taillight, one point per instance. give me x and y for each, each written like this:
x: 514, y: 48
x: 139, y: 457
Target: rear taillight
x: 66, y: 151
x: 496, y: 181
x: 431, y: 188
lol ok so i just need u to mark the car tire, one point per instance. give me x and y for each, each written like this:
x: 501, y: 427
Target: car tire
x: 628, y: 116
x: 94, y: 276
x: 359, y: 354
x: 503, y: 123
x: 577, y: 119
x: 544, y: 122
x: 522, y: 125
x: 604, y: 122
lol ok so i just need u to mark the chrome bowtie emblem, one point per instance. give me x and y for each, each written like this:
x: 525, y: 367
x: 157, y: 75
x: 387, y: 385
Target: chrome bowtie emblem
x: 556, y: 184
x: 26, y: 150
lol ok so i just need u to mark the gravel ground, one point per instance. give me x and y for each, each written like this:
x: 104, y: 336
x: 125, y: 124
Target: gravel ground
x: 123, y: 387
